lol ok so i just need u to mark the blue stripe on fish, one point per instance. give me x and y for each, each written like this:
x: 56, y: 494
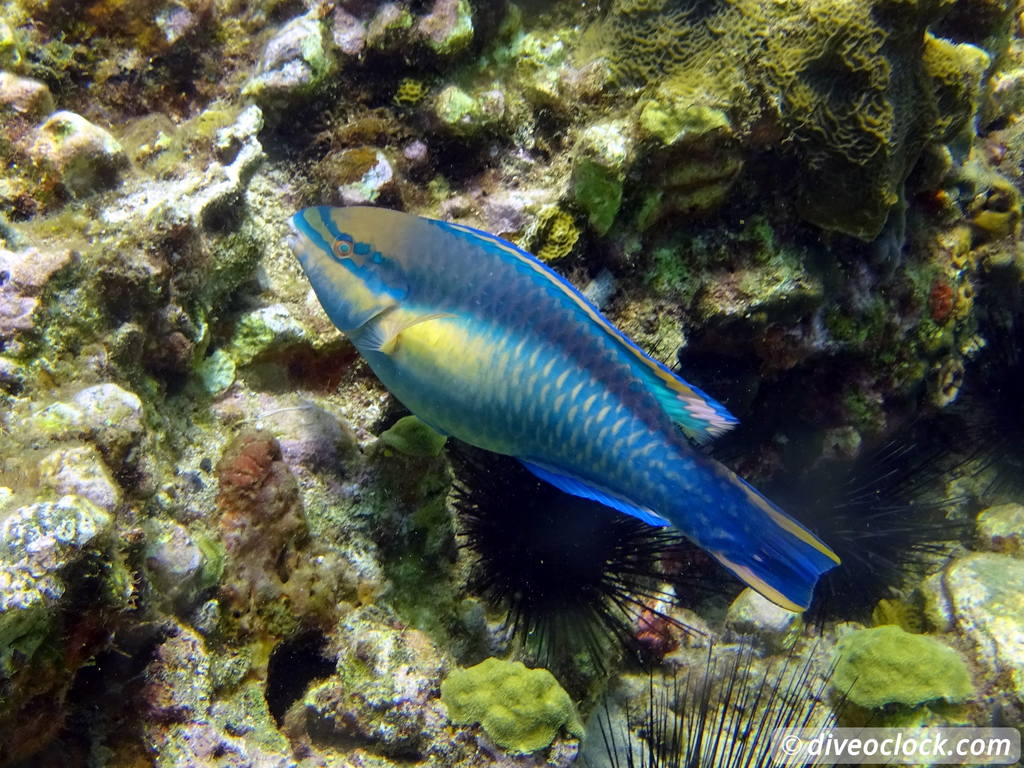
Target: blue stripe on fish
x: 330, y: 226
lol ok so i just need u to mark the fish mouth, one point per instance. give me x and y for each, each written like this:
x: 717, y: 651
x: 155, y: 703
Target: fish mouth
x: 295, y: 239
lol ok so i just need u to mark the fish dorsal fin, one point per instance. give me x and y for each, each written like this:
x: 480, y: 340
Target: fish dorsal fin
x: 584, y: 489
x: 380, y: 333
x: 698, y: 415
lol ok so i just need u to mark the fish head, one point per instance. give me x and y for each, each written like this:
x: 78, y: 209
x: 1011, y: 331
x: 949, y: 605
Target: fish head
x: 353, y: 259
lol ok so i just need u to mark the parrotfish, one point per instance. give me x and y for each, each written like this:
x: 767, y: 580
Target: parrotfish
x: 485, y: 343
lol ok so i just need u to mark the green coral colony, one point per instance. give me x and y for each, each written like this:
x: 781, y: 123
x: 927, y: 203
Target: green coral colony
x: 222, y: 542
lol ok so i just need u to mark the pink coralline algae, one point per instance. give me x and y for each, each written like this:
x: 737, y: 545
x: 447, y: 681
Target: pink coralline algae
x: 261, y: 521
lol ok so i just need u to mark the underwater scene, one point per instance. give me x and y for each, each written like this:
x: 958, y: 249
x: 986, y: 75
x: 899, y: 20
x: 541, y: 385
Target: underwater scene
x: 457, y: 383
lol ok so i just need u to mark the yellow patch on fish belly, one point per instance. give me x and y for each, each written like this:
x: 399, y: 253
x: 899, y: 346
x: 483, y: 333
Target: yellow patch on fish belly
x: 381, y: 333
x: 443, y: 342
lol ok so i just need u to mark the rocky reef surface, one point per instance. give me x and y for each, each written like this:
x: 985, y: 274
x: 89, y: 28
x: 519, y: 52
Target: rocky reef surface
x: 220, y: 543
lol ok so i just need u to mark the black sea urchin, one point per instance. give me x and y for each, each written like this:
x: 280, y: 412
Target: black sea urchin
x: 720, y: 714
x: 573, y: 575
x: 989, y: 413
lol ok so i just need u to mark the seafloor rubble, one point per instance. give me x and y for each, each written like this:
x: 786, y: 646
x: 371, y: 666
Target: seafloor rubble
x: 219, y: 544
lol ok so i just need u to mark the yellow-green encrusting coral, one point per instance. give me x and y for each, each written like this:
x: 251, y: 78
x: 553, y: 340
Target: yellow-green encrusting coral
x: 994, y: 210
x: 555, y: 235
x: 853, y: 89
x: 521, y: 709
x: 886, y: 665
x: 955, y: 73
x: 410, y: 92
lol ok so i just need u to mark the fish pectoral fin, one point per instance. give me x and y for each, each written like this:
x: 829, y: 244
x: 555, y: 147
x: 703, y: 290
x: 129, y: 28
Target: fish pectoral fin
x: 380, y: 333
x: 578, y: 487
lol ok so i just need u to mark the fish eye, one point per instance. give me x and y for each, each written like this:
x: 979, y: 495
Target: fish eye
x: 342, y: 248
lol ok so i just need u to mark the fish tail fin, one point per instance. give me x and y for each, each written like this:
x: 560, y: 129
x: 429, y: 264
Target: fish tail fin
x: 773, y: 553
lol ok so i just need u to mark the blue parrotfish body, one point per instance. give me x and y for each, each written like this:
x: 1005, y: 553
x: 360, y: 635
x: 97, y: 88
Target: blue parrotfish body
x: 485, y: 343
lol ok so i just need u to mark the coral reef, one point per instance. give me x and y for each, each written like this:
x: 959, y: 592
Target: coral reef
x: 82, y: 156
x: 1001, y: 529
x: 219, y: 545
x: 53, y: 556
x: 752, y: 616
x: 368, y: 702
x: 856, y: 114
x: 294, y: 63
x: 261, y: 522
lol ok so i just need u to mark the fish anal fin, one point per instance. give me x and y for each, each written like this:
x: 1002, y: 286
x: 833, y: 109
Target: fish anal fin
x: 578, y: 487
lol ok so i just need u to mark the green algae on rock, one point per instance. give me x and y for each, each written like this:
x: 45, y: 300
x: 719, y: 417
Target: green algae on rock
x: 84, y: 157
x: 383, y: 692
x: 448, y: 28
x: 187, y: 723
x: 79, y: 470
x: 216, y: 371
x: 885, y: 665
x: 55, y: 557
x: 10, y: 50
x: 521, y: 709
x: 412, y: 437
x: 468, y: 114
x: 598, y: 191
x: 601, y: 158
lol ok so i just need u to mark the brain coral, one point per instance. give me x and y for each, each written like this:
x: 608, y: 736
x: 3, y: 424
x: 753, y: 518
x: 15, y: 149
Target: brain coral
x: 847, y: 86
